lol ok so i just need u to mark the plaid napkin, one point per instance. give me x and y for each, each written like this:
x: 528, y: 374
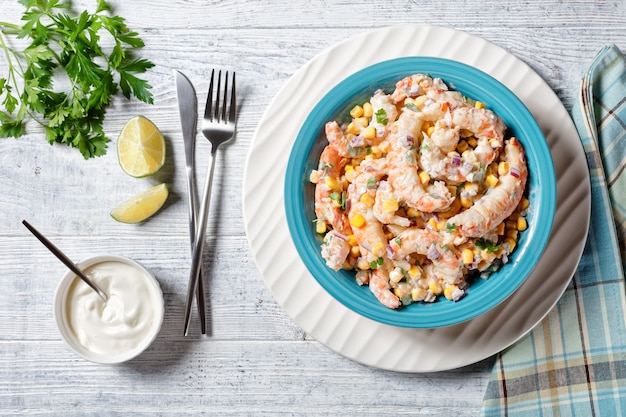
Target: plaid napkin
x: 574, y: 362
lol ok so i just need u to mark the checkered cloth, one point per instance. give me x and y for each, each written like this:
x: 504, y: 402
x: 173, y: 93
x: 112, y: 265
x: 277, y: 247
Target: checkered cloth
x: 574, y: 362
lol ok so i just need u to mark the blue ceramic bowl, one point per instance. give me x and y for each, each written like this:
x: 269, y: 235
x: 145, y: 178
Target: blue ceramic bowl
x: 483, y: 295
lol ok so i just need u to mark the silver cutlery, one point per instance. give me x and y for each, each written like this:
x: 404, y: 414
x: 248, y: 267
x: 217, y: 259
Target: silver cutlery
x: 188, y: 109
x: 218, y: 126
x: 67, y: 261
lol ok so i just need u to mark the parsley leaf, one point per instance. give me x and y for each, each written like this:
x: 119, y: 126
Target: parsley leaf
x: 64, y: 48
x: 381, y: 117
x: 486, y: 245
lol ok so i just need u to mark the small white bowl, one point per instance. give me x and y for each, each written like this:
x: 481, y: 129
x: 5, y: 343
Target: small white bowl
x: 97, y: 344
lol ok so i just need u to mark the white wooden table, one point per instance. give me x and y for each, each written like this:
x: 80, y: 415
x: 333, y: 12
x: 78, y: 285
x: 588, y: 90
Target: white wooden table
x: 257, y: 360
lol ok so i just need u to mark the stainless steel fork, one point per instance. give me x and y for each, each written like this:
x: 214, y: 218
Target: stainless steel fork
x: 218, y: 126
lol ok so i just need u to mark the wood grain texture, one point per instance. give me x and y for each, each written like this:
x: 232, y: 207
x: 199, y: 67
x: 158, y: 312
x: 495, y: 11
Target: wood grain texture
x: 257, y: 361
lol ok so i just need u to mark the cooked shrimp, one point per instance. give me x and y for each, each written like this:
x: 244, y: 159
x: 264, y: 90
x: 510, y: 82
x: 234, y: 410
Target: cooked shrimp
x: 384, y: 109
x: 386, y: 205
x: 403, y: 169
x: 336, y: 138
x: 404, y: 179
x: 370, y: 236
x: 411, y: 86
x: 495, y: 206
x: 335, y: 249
x: 446, y: 262
x: 381, y: 287
x: 326, y: 207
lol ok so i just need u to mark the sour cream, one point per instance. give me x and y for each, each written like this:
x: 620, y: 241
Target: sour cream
x: 122, y: 327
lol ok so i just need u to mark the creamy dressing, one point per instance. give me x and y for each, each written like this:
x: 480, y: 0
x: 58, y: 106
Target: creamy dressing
x: 125, y: 321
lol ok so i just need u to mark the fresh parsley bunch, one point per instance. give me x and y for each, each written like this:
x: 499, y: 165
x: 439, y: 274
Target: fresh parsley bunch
x: 63, y: 45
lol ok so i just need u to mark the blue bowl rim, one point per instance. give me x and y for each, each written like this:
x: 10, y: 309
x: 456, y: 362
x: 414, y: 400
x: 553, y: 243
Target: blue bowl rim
x: 483, y: 295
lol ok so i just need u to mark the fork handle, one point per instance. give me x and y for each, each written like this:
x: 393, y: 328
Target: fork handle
x: 193, y: 209
x: 198, y: 246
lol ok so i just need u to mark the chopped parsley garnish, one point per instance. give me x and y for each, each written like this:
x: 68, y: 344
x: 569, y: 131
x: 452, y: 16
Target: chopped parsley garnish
x: 450, y: 228
x: 371, y: 183
x: 411, y: 106
x: 490, y: 247
x: 381, y: 116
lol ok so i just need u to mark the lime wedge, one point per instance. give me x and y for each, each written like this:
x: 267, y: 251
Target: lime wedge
x: 141, y: 206
x: 140, y: 147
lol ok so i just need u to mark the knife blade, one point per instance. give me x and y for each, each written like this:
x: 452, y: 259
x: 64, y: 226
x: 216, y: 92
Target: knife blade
x: 188, y: 110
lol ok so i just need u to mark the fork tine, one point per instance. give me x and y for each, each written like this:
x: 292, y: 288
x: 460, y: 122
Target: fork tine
x: 209, y: 100
x: 233, y: 103
x: 224, y: 100
x: 216, y: 117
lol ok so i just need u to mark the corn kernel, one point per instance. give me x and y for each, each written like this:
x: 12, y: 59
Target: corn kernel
x: 435, y: 287
x: 368, y: 111
x: 471, y: 187
x: 320, y: 226
x: 492, y: 180
x: 513, y: 234
x: 357, y: 221
x: 355, y: 251
x: 462, y: 146
x: 378, y: 249
x: 363, y: 264
x: 400, y: 292
x: 357, y: 111
x: 349, y: 175
x: 362, y: 121
x: 430, y: 131
x: 332, y: 183
x: 523, y: 205
x: 500, y: 229
x: 503, y: 168
x: 512, y: 243
x: 314, y: 177
x: 479, y: 105
x: 522, y: 224
x: 369, y: 132
x: 420, y: 102
x: 472, y: 142
x: 424, y: 177
x: 390, y: 206
x: 367, y: 199
x: 465, y: 133
x: 352, y: 240
x: 353, y: 128
x: 413, y: 213
x: 396, y: 275
x: 415, y: 272
x: 466, y: 202
x: 376, y: 152
x: 468, y: 256
x: 448, y: 291
x: 432, y: 223
x: 385, y: 146
x: 418, y: 294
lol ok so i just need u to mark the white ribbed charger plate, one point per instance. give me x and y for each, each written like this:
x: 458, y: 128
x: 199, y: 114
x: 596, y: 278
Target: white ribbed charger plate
x: 350, y: 334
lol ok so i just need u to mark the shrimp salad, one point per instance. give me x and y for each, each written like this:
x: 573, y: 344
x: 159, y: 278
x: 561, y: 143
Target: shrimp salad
x: 419, y: 193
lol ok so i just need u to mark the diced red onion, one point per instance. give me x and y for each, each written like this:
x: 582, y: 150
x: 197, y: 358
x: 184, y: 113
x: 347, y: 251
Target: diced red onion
x: 341, y: 236
x: 357, y: 141
x: 433, y: 253
x: 390, y: 251
x: 456, y: 160
x: 514, y: 171
x: 407, y: 141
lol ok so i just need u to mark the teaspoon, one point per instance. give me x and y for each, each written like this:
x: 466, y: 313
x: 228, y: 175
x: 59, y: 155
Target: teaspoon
x: 63, y: 258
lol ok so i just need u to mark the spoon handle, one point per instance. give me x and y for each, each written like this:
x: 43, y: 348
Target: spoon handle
x: 63, y: 258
